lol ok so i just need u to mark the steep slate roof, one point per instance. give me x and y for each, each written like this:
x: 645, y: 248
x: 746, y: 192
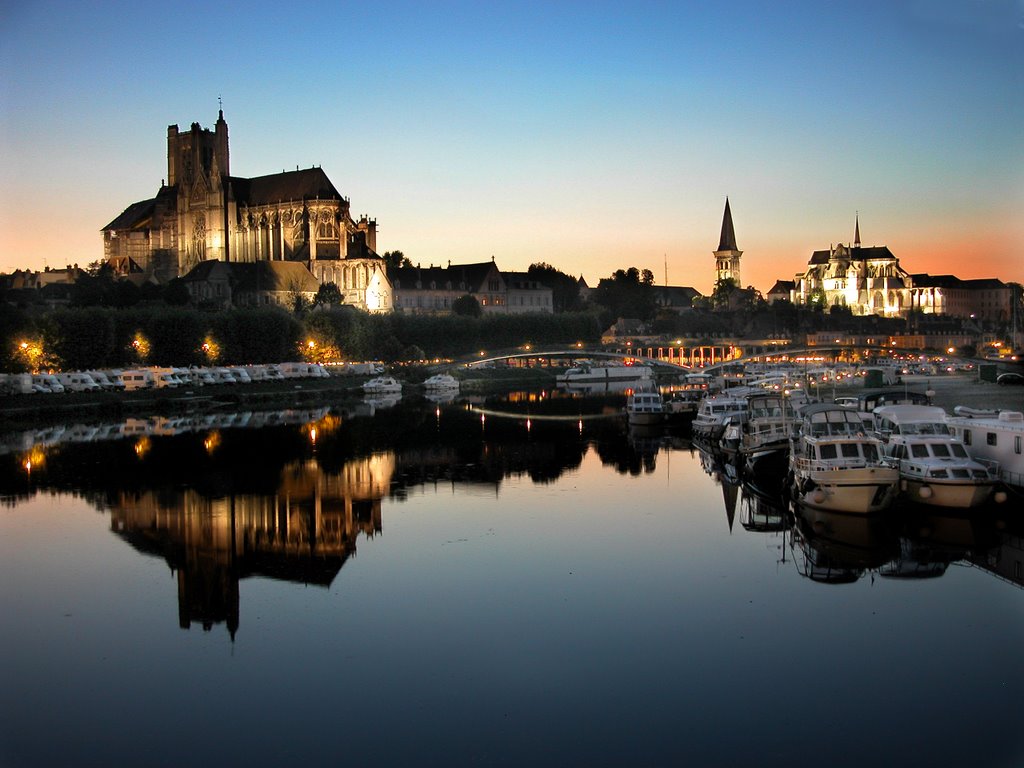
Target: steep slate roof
x: 260, y: 275
x: 305, y: 184
x: 133, y: 216
x: 984, y: 282
x: 783, y: 286
x: 467, y: 277
x: 727, y: 242
x: 675, y: 295
x: 274, y: 276
x: 856, y: 254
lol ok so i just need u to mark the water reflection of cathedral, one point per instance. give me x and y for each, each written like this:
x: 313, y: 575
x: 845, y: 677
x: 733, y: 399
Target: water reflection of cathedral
x: 303, y: 533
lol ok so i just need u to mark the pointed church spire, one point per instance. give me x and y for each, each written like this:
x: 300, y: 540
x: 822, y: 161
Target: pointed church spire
x: 727, y: 242
x: 856, y: 232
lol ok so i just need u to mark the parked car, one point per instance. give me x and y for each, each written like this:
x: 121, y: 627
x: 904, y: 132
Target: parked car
x: 1010, y: 378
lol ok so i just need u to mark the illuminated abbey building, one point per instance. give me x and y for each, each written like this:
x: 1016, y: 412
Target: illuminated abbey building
x: 202, y: 213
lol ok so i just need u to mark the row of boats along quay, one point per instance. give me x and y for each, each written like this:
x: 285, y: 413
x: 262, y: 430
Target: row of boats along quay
x: 837, y: 444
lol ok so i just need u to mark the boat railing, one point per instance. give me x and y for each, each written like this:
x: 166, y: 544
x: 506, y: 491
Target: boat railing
x: 805, y: 464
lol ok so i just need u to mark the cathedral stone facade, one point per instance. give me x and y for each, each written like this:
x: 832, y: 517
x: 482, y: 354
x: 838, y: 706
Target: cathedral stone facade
x: 204, y: 213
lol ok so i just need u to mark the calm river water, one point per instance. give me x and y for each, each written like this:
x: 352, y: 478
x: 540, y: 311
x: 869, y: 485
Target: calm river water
x: 437, y: 584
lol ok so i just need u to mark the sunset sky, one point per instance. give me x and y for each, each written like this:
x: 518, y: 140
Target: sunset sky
x: 592, y: 136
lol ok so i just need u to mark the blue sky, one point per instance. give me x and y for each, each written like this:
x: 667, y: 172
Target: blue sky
x: 592, y: 136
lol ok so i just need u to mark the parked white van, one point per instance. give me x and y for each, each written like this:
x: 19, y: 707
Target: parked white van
x: 16, y: 384
x: 241, y: 375
x: 107, y: 381
x: 46, y: 382
x: 137, y: 379
x: 77, y: 381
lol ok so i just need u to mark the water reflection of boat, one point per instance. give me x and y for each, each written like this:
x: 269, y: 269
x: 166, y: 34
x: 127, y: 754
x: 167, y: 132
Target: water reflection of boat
x: 380, y: 403
x: 441, y: 397
x: 836, y: 548
x: 762, y: 512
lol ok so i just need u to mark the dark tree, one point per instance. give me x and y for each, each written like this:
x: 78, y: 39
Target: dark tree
x: 466, y: 306
x: 625, y: 294
x: 395, y: 260
x: 565, y: 290
x: 327, y: 295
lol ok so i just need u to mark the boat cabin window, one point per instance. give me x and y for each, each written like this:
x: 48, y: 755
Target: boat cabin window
x: 919, y: 451
x: 1016, y: 444
x: 850, y: 451
x: 827, y: 451
x: 958, y: 451
x: 940, y: 450
x: 899, y: 452
x: 992, y: 438
x: 967, y: 437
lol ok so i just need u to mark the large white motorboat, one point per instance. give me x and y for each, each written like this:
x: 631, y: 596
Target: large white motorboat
x: 834, y: 465
x: 645, y: 407
x: 715, y: 410
x: 933, y: 463
x: 771, y: 422
x: 382, y: 385
x: 593, y: 373
x: 993, y: 436
x: 684, y: 400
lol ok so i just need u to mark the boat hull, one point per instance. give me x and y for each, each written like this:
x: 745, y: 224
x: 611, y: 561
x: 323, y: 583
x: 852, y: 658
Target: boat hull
x: 955, y: 495
x: 854, y: 491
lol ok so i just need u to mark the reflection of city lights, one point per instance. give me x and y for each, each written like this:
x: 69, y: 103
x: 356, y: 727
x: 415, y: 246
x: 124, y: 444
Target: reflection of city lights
x: 142, y: 447
x: 34, y: 459
x: 312, y: 435
x: 528, y: 425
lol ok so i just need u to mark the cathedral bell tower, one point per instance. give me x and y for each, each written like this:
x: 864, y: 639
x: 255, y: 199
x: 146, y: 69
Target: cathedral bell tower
x: 727, y: 257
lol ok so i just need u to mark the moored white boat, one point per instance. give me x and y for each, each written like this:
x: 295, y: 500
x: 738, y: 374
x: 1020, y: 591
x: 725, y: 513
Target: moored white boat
x: 590, y: 373
x: 709, y: 423
x: 645, y: 407
x: 441, y: 382
x: 934, y: 465
x: 835, y: 466
x: 382, y: 385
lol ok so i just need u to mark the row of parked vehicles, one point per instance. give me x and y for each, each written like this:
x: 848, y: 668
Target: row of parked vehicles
x: 153, y: 377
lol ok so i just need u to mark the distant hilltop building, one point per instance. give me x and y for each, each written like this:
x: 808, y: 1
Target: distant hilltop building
x: 870, y: 281
x: 203, y: 213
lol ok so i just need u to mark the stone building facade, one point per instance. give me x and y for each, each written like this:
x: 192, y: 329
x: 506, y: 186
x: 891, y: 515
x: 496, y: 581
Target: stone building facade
x: 203, y: 213
x: 870, y: 281
x: 433, y: 290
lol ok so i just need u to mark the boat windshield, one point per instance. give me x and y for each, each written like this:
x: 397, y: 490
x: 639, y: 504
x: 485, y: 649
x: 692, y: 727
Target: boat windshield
x: 923, y: 428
